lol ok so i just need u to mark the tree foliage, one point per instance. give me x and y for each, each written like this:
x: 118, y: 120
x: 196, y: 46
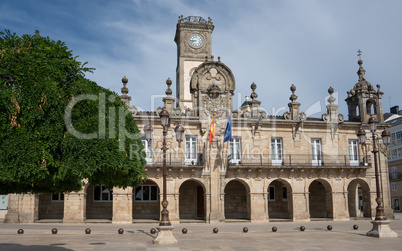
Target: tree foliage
x: 41, y: 81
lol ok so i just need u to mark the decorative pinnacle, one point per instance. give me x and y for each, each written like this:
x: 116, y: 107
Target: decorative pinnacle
x: 331, y: 99
x: 293, y: 88
x: 124, y: 89
x: 168, y: 90
x: 219, y: 58
x: 330, y: 90
x: 361, y: 71
x: 253, y: 94
x: 293, y: 97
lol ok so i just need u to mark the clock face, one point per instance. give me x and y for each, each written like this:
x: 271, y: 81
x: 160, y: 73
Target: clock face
x: 195, y: 40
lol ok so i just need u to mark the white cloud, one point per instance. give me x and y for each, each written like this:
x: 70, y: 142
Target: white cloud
x: 311, y: 44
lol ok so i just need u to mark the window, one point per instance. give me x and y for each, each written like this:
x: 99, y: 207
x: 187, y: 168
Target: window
x: 393, y: 154
x: 316, y: 152
x: 394, y: 174
x: 393, y: 139
x: 276, y: 150
x: 271, y: 193
x: 395, y: 204
x: 394, y: 186
x: 101, y: 193
x: 146, y: 193
x: 284, y: 194
x: 235, y: 151
x: 57, y: 197
x: 147, y: 150
x: 353, y: 153
x: 399, y: 138
x: 191, y: 150
x: 399, y: 153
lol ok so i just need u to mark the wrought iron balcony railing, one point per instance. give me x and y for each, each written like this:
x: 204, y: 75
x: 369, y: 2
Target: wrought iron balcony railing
x: 174, y: 159
x: 300, y: 160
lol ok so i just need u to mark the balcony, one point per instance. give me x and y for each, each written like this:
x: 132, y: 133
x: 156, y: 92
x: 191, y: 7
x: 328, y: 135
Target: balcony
x: 174, y: 159
x: 300, y: 160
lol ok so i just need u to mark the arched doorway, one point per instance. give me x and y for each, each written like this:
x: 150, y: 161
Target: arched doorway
x: 320, y: 199
x: 280, y: 204
x: 191, y: 201
x: 146, y: 203
x: 237, y: 201
x: 99, y: 204
x: 51, y: 206
x: 359, y: 199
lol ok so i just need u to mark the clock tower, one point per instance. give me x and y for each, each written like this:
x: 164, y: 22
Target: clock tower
x: 193, y: 39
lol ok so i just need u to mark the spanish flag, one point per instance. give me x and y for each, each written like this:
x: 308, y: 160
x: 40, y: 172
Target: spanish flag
x: 212, y: 129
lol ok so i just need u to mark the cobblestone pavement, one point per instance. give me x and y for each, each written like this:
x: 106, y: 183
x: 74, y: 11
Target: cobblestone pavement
x: 200, y: 236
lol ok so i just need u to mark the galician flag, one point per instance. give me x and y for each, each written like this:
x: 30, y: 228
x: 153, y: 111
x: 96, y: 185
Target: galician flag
x: 212, y: 129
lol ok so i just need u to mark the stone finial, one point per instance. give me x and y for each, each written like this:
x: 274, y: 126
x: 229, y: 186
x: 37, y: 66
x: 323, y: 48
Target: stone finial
x: 253, y: 95
x: 293, y: 97
x: 124, y: 90
x: 361, y: 72
x: 206, y: 58
x: 210, y: 20
x: 168, y: 90
x: 255, y: 104
x: 331, y: 99
x: 219, y: 58
x: 294, y: 107
x: 169, y: 100
x: 332, y: 109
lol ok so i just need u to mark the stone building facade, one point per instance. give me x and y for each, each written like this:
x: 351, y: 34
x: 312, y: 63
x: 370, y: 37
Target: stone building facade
x: 394, y: 119
x: 287, y: 167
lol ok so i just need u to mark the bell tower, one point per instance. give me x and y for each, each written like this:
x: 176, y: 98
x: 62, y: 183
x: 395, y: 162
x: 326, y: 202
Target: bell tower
x: 194, y: 46
x: 363, y: 100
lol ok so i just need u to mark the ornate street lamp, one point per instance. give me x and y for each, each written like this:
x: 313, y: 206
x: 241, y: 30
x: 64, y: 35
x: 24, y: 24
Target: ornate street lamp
x: 380, y: 223
x: 148, y: 133
x: 165, y: 235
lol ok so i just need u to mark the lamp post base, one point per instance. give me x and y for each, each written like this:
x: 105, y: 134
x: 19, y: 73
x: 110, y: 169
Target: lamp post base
x: 165, y: 236
x: 381, y: 229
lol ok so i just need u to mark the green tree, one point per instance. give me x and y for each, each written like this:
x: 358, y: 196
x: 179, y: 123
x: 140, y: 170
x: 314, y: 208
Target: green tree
x: 58, y: 128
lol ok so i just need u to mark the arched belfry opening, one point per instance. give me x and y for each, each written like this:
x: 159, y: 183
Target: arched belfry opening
x: 363, y: 100
x: 371, y: 107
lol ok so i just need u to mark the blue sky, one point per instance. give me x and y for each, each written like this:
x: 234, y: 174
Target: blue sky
x: 311, y: 44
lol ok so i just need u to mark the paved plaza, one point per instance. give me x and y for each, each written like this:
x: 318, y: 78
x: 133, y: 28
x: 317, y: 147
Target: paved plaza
x: 200, y: 236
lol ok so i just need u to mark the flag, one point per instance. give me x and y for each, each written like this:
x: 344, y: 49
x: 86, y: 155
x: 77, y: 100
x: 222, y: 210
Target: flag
x: 228, y: 131
x: 204, y: 138
x: 212, y: 129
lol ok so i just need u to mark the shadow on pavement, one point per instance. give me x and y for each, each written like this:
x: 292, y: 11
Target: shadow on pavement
x: 51, y: 247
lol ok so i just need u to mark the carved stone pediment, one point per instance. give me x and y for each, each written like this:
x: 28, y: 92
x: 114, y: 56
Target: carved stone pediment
x: 212, y: 85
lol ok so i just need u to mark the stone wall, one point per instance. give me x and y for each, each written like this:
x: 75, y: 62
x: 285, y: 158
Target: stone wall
x: 146, y: 210
x: 49, y: 209
x: 98, y: 209
x: 279, y: 207
x: 235, y: 201
x: 188, y: 200
x: 317, y: 200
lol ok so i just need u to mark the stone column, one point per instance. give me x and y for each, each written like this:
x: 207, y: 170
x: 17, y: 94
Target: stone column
x: 301, y: 206
x: 22, y: 208
x: 75, y: 205
x: 257, y: 204
x: 340, y: 211
x: 214, y: 162
x: 122, y: 205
